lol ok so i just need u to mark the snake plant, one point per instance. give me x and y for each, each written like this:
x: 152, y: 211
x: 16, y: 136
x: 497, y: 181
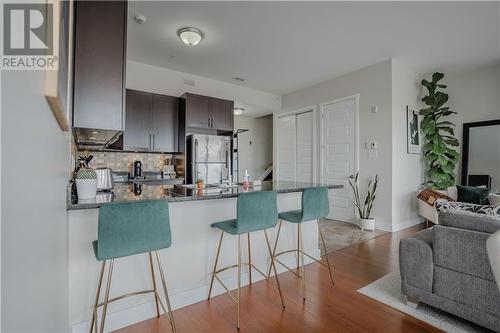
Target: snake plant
x: 364, y: 210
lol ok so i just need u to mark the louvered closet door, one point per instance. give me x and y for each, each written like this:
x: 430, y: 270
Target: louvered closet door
x: 287, y: 137
x: 305, y: 147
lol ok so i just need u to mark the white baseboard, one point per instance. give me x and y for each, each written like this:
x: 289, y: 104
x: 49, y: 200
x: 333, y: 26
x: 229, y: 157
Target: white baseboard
x: 393, y: 227
x: 138, y: 313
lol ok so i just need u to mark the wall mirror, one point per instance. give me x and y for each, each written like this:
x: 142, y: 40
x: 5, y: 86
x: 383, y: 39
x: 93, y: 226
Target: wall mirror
x: 481, y: 154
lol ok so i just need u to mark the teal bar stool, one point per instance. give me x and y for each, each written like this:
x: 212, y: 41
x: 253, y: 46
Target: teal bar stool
x: 256, y: 211
x: 126, y: 229
x: 314, y: 207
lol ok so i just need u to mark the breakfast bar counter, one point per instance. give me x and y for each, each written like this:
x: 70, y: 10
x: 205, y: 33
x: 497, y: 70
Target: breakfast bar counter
x: 157, y: 190
x: 189, y: 261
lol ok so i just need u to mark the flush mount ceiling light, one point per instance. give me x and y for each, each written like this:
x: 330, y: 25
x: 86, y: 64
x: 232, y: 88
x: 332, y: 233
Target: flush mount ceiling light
x: 190, y: 35
x: 238, y: 111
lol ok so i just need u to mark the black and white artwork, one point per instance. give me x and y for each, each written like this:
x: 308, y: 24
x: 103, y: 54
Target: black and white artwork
x: 414, y: 137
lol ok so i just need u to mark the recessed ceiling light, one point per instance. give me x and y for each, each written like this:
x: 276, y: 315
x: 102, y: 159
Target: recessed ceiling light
x: 239, y: 79
x: 238, y: 111
x: 190, y: 35
x: 94, y: 132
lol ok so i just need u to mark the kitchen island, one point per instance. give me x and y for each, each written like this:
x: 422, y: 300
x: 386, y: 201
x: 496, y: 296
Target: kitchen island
x: 188, y: 262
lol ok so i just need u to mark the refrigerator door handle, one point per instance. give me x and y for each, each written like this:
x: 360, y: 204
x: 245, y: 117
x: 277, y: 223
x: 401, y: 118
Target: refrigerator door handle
x: 195, y: 175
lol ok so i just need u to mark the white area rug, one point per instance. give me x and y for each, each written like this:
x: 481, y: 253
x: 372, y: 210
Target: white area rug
x: 387, y: 290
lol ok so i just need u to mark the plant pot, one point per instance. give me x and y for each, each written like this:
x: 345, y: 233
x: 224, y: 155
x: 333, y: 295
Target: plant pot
x: 86, y: 188
x: 368, y: 224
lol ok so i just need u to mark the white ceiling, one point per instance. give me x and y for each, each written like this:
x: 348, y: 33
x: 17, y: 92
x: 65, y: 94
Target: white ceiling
x: 281, y: 47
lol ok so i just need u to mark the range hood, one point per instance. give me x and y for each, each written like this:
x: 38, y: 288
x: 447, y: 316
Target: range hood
x: 88, y: 138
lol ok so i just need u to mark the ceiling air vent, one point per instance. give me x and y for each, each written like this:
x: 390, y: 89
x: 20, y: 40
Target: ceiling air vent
x: 189, y: 82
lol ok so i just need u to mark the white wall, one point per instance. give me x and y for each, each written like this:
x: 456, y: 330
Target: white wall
x: 34, y: 172
x: 169, y: 82
x: 391, y: 86
x: 407, y: 169
x: 475, y: 95
x: 256, y: 145
x: 373, y: 83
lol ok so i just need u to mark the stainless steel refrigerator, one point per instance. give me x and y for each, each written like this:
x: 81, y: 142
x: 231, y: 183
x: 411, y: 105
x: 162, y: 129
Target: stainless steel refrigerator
x: 208, y: 158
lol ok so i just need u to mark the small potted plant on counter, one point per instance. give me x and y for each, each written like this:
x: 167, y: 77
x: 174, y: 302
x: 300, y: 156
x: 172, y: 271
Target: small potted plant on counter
x: 86, y: 179
x: 364, y: 210
x: 199, y: 184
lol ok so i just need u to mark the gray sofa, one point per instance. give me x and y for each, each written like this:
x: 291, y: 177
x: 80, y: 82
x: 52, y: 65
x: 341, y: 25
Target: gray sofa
x: 447, y: 267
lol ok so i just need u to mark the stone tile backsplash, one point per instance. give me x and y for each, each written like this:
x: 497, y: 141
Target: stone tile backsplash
x: 124, y: 161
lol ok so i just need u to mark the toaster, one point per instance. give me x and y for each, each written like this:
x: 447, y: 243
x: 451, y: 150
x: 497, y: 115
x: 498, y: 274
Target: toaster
x: 104, y: 179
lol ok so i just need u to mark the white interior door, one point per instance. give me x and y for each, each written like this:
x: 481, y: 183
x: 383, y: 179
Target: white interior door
x: 305, y: 142
x: 287, y: 147
x: 339, y: 152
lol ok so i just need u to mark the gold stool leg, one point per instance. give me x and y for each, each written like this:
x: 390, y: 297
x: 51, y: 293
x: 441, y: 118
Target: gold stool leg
x: 94, y: 312
x: 249, y: 259
x: 274, y: 269
x: 301, y: 251
x: 239, y: 279
x: 298, y: 246
x: 154, y: 284
x: 169, y: 314
x: 215, y: 264
x: 106, y: 295
x: 326, y: 254
x: 274, y: 249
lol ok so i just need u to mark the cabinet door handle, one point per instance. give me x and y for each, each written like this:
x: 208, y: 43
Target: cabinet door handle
x: 150, y: 147
x: 154, y: 137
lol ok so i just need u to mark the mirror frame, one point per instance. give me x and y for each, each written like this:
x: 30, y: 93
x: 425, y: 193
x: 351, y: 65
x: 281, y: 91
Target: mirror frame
x: 465, y: 144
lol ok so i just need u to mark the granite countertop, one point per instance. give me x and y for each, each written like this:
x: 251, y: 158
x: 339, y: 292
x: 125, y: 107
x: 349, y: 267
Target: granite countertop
x: 127, y: 192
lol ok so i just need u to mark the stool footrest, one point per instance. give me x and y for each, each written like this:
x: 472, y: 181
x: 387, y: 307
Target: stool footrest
x: 298, y: 251
x: 136, y: 293
x: 235, y: 266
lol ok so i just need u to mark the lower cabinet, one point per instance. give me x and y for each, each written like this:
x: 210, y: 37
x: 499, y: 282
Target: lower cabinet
x: 151, y: 122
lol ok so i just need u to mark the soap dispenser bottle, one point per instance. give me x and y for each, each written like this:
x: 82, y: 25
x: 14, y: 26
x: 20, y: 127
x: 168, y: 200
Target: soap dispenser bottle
x: 246, y: 182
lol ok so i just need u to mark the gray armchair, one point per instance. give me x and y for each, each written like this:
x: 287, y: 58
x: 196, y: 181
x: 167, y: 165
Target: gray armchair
x: 493, y: 246
x: 447, y: 267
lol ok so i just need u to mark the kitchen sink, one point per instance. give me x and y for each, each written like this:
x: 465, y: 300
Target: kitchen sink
x: 209, y: 186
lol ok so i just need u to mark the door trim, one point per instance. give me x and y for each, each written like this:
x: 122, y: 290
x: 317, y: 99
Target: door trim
x: 314, y: 110
x: 356, y: 136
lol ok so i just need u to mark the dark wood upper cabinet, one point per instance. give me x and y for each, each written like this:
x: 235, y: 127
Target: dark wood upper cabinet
x: 99, y: 65
x: 151, y: 122
x: 222, y: 113
x: 138, y: 126
x: 165, y: 123
x: 197, y: 111
x: 208, y: 112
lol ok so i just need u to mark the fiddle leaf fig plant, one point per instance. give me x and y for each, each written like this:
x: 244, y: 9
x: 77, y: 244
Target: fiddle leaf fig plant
x: 439, y: 151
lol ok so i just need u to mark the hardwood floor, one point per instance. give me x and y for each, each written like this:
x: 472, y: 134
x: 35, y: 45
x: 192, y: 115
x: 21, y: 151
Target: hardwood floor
x: 327, y: 308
